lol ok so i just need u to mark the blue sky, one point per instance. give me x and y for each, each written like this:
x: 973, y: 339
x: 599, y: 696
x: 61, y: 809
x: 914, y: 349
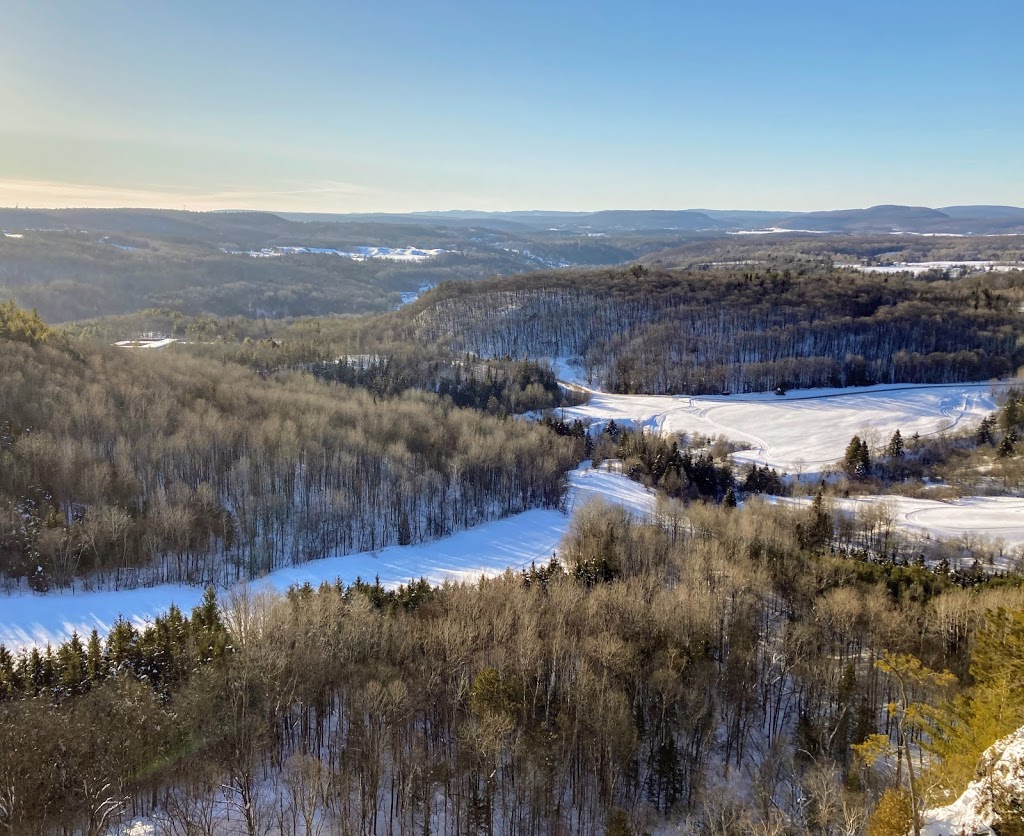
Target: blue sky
x: 399, y: 106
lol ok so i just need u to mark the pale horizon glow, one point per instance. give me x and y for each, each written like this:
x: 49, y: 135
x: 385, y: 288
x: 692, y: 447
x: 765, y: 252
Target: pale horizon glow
x: 571, y: 106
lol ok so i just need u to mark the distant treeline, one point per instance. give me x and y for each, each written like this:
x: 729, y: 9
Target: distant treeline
x: 739, y: 330
x: 197, y: 264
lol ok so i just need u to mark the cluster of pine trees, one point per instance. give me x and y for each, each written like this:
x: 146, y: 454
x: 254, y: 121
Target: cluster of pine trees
x: 658, y: 462
x: 990, y: 448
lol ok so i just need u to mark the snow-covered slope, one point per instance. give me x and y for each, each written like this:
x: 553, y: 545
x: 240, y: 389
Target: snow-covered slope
x: 806, y: 430
x: 1001, y: 775
x: 488, y: 549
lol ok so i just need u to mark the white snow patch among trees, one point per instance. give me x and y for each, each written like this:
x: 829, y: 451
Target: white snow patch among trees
x: 971, y: 520
x: 356, y: 254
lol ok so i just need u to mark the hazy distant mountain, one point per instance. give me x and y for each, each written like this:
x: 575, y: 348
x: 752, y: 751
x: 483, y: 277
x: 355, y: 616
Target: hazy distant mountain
x: 987, y: 212
x: 874, y: 219
x: 956, y: 220
x: 746, y: 218
x: 160, y: 222
x: 308, y: 226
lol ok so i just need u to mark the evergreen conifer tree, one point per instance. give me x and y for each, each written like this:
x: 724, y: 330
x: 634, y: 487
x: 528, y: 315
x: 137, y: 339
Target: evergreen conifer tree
x: 1007, y: 446
x: 895, y: 447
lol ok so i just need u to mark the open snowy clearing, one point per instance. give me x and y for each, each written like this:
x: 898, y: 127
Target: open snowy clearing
x: 969, y: 520
x: 804, y: 431
x: 918, y: 267
x: 488, y: 549
x: 357, y: 254
x: 775, y: 230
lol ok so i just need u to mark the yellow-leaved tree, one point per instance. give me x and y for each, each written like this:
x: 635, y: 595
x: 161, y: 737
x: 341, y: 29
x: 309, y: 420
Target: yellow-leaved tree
x: 915, y: 688
x: 990, y: 710
x: 21, y: 325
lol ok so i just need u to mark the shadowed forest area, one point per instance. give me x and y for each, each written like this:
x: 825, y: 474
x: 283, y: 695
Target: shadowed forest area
x: 739, y: 329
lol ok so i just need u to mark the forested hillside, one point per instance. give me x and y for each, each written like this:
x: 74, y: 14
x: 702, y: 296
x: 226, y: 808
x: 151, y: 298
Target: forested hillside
x: 716, y: 672
x: 71, y: 276
x: 124, y: 468
x: 745, y: 329
x: 88, y: 263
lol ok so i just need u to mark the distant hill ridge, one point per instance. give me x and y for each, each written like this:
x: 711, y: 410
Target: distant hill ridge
x: 955, y: 220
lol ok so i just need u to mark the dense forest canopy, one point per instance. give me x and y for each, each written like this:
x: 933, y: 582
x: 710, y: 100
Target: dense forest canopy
x: 199, y: 263
x: 76, y: 264
x: 126, y: 467
x: 738, y: 330
x: 726, y: 669
x: 712, y: 669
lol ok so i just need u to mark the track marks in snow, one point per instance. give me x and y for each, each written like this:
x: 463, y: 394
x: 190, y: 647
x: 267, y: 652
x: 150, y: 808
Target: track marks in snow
x: 804, y: 430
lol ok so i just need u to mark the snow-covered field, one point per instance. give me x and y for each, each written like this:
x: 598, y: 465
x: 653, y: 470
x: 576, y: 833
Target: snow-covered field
x: 146, y: 342
x: 357, y: 254
x: 488, y: 549
x: 411, y: 296
x: 917, y: 267
x: 775, y: 230
x: 804, y: 431
x: 969, y: 520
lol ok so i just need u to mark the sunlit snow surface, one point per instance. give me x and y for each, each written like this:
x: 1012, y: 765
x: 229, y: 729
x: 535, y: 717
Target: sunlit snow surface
x: 970, y: 519
x: 356, y: 254
x: 487, y: 549
x: 803, y: 431
x: 806, y: 430
x: 918, y: 267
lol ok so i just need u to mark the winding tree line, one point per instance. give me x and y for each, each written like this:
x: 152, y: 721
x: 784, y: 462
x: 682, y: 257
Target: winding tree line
x: 130, y: 468
x: 714, y: 643
x: 733, y: 331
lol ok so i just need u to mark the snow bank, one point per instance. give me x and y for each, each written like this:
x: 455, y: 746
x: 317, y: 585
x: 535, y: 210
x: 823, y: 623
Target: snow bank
x: 775, y: 230
x: 1001, y: 771
x: 918, y: 267
x: 804, y: 431
x: 485, y: 550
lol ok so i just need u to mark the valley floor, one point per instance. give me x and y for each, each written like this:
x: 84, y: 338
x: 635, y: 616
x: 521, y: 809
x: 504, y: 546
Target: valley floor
x: 804, y: 432
x: 488, y: 549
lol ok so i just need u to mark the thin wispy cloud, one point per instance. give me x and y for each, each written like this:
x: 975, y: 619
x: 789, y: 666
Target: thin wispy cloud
x: 327, y: 196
